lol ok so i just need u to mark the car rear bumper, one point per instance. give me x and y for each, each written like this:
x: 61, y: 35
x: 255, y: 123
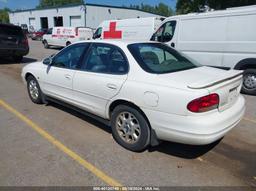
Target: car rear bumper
x: 196, y: 130
x: 14, y: 51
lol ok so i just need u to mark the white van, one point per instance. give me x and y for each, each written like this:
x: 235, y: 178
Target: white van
x: 218, y: 38
x: 64, y: 36
x: 128, y: 29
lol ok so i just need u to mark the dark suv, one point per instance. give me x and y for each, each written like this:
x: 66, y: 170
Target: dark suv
x: 13, y: 42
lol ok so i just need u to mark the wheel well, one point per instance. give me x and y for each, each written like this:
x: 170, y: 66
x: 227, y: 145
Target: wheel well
x: 27, y: 75
x: 249, y: 63
x: 127, y: 103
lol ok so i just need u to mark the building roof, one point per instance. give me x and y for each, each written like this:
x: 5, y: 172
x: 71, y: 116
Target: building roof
x: 50, y: 7
x: 82, y: 4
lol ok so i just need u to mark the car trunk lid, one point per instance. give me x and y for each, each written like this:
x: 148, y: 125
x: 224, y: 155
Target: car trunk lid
x: 227, y: 86
x: 10, y: 36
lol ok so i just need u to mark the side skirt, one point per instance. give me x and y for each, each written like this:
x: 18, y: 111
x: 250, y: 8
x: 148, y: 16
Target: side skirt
x: 104, y: 121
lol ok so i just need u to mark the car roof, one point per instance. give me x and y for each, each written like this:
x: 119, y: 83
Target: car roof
x: 116, y: 42
x: 9, y: 25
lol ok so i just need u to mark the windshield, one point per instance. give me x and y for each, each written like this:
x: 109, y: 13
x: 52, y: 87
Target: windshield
x: 159, y: 58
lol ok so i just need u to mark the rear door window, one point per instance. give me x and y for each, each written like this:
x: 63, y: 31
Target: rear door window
x: 108, y: 59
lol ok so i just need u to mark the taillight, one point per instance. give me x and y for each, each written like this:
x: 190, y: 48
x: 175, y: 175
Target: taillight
x: 76, y: 31
x: 204, y: 104
x: 25, y: 41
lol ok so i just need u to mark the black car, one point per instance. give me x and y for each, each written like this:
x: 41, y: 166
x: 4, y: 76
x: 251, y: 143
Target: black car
x: 13, y: 42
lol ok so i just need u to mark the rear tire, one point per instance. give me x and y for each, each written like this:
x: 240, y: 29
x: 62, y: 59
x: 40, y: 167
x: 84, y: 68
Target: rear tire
x: 46, y: 45
x: 18, y: 58
x: 34, y: 90
x: 249, y: 83
x: 130, y: 129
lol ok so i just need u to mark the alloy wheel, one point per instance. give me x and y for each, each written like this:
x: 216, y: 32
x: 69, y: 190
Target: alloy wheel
x: 128, y: 127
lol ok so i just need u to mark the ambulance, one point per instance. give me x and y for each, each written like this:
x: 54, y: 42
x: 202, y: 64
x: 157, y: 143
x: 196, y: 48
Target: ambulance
x: 128, y: 29
x: 64, y: 36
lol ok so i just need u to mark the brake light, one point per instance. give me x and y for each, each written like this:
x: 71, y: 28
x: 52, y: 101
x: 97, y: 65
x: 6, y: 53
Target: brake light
x: 204, y: 104
x: 76, y: 31
x: 25, y: 41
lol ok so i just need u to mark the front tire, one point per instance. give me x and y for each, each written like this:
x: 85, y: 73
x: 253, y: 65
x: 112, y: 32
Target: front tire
x: 34, y: 90
x: 46, y: 45
x: 130, y: 129
x: 249, y: 83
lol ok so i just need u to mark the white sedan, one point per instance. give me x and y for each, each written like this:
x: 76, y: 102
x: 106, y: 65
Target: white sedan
x: 146, y: 91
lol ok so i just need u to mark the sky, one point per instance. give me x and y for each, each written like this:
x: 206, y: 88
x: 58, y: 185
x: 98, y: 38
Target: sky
x: 28, y: 4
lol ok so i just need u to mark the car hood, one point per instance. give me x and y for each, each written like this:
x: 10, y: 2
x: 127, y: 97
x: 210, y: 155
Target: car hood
x: 197, y: 78
x: 29, y: 66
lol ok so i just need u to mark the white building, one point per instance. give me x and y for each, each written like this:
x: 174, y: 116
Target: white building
x: 89, y: 15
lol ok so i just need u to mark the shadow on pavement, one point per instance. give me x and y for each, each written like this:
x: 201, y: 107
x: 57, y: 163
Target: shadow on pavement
x: 170, y: 148
x: 9, y: 60
x: 182, y: 150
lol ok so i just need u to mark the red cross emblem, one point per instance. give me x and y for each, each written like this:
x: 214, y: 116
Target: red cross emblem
x: 112, y: 33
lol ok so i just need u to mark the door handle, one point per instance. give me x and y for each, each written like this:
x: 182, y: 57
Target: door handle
x: 112, y: 86
x: 173, y: 44
x: 67, y: 76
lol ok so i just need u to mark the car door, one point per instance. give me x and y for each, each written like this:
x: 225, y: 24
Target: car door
x: 58, y: 77
x: 101, y: 76
x: 48, y: 36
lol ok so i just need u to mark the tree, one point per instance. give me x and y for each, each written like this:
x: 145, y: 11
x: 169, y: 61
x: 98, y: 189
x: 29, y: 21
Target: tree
x: 161, y: 9
x: 52, y: 3
x: 187, y: 6
x: 4, y: 16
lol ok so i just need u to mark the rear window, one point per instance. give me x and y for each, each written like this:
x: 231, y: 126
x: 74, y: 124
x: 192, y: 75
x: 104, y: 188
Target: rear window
x: 10, y: 30
x: 159, y: 58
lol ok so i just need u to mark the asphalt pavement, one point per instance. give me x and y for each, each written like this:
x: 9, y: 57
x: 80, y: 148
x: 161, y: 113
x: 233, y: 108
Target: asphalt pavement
x: 29, y: 158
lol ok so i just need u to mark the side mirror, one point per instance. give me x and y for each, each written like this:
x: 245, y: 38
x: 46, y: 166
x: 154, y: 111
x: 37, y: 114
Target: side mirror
x: 47, y: 61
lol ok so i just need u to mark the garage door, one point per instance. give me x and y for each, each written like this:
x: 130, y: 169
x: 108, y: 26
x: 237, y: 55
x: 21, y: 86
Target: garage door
x: 75, y: 21
x: 32, y: 22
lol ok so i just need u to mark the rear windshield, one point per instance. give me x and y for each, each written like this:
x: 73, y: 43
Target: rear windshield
x: 10, y: 30
x: 159, y: 58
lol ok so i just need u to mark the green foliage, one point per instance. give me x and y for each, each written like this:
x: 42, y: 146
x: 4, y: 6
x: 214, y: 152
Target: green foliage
x: 52, y: 3
x: 4, y: 16
x: 160, y: 9
x: 187, y: 6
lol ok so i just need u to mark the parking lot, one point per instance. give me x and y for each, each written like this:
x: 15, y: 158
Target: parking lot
x: 50, y: 145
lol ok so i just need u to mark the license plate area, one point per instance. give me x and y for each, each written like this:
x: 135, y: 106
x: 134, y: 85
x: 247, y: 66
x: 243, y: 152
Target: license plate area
x: 233, y: 94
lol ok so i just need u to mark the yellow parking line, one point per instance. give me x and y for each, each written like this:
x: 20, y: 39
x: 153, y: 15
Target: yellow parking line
x: 251, y: 120
x: 104, y: 177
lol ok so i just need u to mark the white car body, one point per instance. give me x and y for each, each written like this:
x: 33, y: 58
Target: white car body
x: 128, y: 29
x: 163, y: 98
x: 63, y: 36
